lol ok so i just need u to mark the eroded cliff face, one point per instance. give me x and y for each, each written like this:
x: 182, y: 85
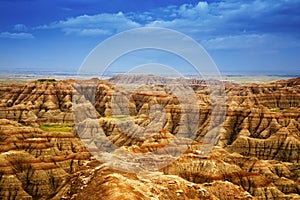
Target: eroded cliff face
x: 41, y: 101
x: 256, y: 155
x: 36, y: 164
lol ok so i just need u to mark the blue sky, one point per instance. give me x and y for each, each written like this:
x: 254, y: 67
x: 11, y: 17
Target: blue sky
x: 240, y: 36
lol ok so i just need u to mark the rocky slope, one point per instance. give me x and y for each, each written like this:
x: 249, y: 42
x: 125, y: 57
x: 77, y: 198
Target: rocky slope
x: 41, y: 101
x: 256, y: 156
x: 35, y: 164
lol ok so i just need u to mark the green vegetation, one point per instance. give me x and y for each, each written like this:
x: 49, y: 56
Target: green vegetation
x: 276, y: 109
x: 61, y: 127
x: 46, y: 80
x: 119, y: 117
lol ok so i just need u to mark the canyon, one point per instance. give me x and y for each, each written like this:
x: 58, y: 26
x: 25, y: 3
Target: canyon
x: 51, y: 132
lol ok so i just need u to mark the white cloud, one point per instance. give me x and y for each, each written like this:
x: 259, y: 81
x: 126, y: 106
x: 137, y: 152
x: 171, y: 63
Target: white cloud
x: 91, y: 25
x: 86, y: 32
x: 235, y: 42
x: 195, y: 20
x: 16, y: 35
x: 244, y: 41
x: 20, y: 28
x: 190, y: 11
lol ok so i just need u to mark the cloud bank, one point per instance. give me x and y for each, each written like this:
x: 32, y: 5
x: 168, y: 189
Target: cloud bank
x: 216, y: 24
x: 93, y: 25
x: 19, y: 35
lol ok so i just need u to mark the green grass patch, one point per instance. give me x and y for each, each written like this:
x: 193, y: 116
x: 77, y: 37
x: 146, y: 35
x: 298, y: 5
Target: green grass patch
x: 119, y: 117
x: 276, y: 109
x: 47, y: 80
x: 61, y: 127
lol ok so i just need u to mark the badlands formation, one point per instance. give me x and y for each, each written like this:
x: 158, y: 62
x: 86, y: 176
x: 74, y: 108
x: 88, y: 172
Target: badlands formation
x: 254, y: 154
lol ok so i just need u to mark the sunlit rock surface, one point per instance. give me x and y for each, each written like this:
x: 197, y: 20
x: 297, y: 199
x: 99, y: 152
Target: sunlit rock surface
x: 256, y: 155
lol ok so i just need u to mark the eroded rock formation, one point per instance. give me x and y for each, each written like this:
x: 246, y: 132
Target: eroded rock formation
x: 256, y: 156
